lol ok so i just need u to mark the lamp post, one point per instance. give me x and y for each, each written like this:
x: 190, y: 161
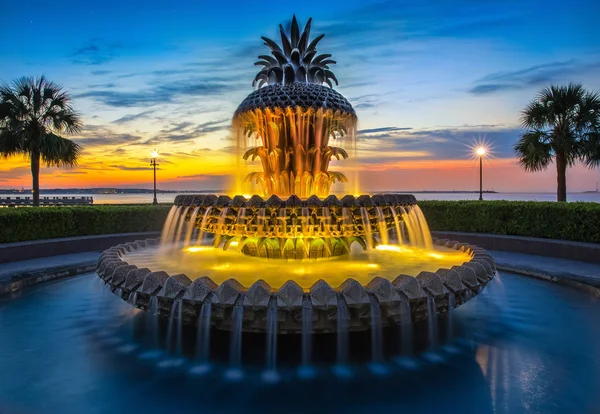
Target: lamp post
x: 480, y: 153
x: 154, y: 157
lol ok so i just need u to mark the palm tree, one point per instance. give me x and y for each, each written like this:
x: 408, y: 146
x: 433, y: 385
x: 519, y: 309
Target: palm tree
x: 33, y: 112
x: 561, y: 123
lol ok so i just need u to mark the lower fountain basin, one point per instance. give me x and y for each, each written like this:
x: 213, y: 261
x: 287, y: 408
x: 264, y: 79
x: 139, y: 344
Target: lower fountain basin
x: 400, y: 298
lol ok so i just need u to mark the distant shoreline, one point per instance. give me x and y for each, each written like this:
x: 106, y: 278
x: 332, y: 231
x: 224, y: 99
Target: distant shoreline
x: 150, y: 191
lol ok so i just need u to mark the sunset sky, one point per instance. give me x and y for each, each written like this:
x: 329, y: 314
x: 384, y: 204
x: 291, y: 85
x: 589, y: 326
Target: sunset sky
x: 427, y: 79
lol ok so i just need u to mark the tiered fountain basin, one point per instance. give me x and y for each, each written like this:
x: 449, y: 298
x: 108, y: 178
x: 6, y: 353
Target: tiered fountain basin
x: 401, y: 280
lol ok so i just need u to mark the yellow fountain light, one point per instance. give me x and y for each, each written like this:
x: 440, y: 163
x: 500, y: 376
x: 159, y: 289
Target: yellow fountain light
x: 436, y: 255
x: 234, y: 244
x: 388, y: 247
x: 196, y: 249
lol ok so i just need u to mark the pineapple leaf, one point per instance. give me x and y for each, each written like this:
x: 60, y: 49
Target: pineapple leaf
x: 308, y: 57
x: 318, y: 59
x: 304, y: 36
x: 269, y: 59
x: 280, y: 57
x: 313, y: 44
x: 271, y: 44
x: 329, y: 75
x: 295, y: 32
x: 285, y: 42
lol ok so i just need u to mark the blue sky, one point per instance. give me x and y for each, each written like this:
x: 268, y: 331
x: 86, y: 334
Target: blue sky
x: 426, y: 78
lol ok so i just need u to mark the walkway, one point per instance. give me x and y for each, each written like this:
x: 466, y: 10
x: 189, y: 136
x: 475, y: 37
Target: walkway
x: 549, y: 267
x: 17, y: 275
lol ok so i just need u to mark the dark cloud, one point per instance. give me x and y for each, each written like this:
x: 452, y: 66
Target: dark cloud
x: 446, y: 143
x: 187, y: 131
x: 132, y: 117
x: 203, y: 177
x: 99, y: 136
x: 161, y: 93
x: 533, y: 76
x: 382, y: 130
x: 16, y: 172
x: 96, y: 52
x: 103, y: 85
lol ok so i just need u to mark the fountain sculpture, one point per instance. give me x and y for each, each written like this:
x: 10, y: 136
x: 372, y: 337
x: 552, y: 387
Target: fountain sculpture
x: 293, y: 258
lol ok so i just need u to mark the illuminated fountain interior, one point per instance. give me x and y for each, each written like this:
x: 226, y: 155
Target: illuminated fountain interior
x: 304, y: 244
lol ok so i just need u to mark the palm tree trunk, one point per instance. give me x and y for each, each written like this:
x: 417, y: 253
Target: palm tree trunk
x: 561, y: 177
x: 35, y: 174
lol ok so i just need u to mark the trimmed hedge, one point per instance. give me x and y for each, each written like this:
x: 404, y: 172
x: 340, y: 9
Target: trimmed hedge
x: 551, y: 220
x: 566, y: 221
x: 27, y: 223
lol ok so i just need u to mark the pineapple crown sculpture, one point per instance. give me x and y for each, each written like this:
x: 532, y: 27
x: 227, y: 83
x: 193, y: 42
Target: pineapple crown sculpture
x: 295, y: 60
x: 294, y: 113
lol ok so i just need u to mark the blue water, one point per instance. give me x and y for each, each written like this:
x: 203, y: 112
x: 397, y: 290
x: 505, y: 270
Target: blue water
x: 522, y: 345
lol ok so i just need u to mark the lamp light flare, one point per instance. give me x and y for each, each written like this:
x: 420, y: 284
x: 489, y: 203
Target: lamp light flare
x: 154, y: 154
x: 480, y: 151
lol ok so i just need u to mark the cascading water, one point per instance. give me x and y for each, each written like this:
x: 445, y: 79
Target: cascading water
x: 191, y: 227
x: 342, y: 333
x: 167, y: 234
x: 132, y: 299
x: 179, y: 338
x: 406, y: 329
x: 203, y: 337
x: 169, y: 338
x: 450, y: 318
x: 431, y: 322
x: 271, y: 355
x: 295, y: 153
x: 235, y: 346
x: 181, y: 225
x: 153, y: 305
x: 376, y: 332
x: 307, y: 315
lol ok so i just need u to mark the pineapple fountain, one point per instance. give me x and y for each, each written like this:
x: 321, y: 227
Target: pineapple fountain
x: 292, y: 258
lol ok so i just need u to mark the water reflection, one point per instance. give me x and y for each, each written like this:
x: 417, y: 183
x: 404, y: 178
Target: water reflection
x: 521, y: 346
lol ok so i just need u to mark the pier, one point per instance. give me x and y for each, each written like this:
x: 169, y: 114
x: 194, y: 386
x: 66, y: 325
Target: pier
x: 46, y: 201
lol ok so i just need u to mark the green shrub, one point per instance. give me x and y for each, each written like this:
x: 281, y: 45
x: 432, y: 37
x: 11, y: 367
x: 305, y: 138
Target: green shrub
x: 565, y: 221
x: 21, y: 224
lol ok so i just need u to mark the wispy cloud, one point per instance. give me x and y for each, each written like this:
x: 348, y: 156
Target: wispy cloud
x: 132, y: 117
x: 96, y: 52
x: 160, y: 93
x: 536, y: 75
x: 100, y: 136
x: 188, y: 131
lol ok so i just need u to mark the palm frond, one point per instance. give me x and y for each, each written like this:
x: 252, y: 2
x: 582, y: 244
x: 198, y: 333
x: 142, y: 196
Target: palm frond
x: 57, y: 151
x: 592, y: 150
x: 534, y: 151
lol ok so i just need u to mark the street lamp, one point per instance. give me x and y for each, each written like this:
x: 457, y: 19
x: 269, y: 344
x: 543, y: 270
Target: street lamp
x: 480, y: 151
x: 154, y: 157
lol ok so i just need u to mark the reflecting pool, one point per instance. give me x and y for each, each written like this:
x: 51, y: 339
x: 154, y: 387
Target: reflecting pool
x: 522, y: 345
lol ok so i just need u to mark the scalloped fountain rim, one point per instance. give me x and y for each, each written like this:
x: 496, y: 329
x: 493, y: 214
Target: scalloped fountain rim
x: 463, y: 282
